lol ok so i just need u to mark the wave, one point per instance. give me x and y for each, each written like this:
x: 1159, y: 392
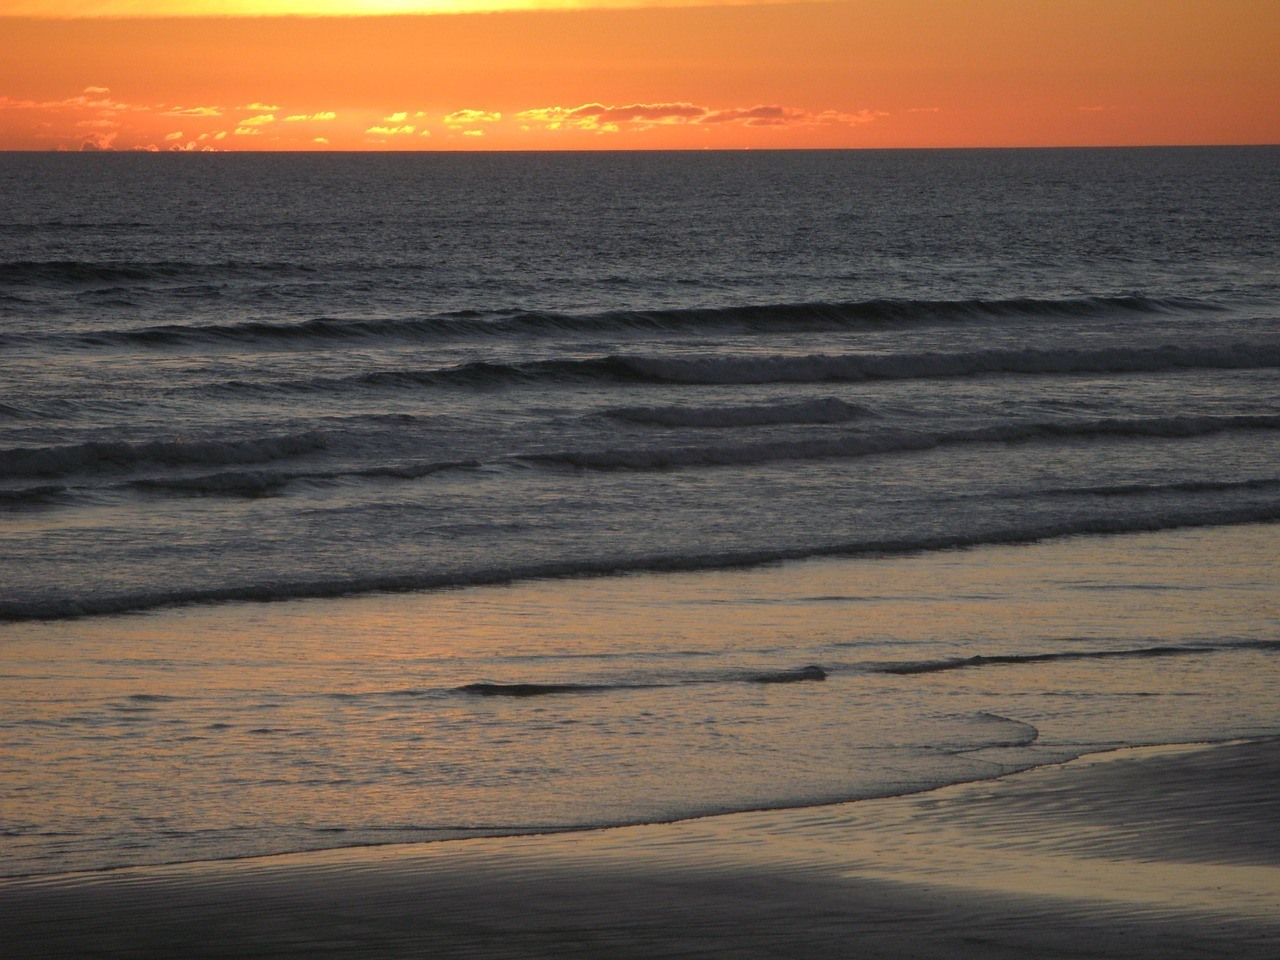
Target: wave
x: 861, y: 445
x: 752, y: 318
x: 53, y: 407
x: 912, y: 667
x: 1022, y: 734
x: 820, y: 368
x: 41, y: 495
x: 105, y: 456
x: 1143, y: 489
x: 521, y: 690
x: 811, y: 672
x: 61, y: 609
x: 830, y: 410
x: 810, y: 368
x: 808, y: 673
x: 252, y: 484
x: 230, y: 483
x: 262, y: 483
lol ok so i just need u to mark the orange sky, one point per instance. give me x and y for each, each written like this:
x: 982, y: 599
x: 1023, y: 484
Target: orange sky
x: 850, y: 73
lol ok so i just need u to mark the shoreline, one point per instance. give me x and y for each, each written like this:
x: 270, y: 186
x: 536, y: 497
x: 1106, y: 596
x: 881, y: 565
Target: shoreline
x: 1091, y: 756
x: 1160, y: 851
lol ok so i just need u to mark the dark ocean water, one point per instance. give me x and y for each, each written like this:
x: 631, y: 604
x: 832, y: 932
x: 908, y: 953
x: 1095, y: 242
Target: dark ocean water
x: 279, y: 376
x: 271, y: 377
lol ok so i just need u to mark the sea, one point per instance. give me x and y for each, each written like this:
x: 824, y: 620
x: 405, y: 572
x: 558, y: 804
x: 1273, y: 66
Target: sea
x: 370, y: 498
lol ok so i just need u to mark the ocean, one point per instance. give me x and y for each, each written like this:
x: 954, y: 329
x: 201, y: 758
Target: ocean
x: 352, y: 499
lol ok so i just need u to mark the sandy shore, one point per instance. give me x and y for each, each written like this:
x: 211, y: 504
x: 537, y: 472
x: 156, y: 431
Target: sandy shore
x: 1153, y: 853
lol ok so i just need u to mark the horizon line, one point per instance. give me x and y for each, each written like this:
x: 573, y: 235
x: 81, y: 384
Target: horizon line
x: 316, y: 152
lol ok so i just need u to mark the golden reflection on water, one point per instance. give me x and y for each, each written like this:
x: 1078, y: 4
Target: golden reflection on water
x: 246, y: 728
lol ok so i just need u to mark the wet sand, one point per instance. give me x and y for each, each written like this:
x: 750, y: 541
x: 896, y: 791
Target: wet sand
x: 1154, y: 853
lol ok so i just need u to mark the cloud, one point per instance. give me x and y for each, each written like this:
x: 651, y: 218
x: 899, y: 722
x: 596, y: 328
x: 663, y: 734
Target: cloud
x: 191, y: 146
x: 464, y: 118
x: 923, y: 109
x: 1091, y: 109
x: 98, y: 141
x: 392, y: 131
x: 99, y: 124
x: 173, y: 136
x: 847, y: 119
x: 96, y: 90
x: 759, y: 116
x: 322, y: 140
x: 772, y: 115
x: 608, y: 119
x: 80, y: 102
x: 400, y: 117
x: 258, y: 106
x: 473, y: 133
x: 248, y: 132
x: 653, y: 113
x: 259, y: 121
x: 193, y: 112
x: 597, y: 116
x: 299, y: 117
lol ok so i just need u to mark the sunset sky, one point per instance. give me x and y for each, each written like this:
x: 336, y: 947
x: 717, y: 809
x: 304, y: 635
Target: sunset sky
x: 393, y: 75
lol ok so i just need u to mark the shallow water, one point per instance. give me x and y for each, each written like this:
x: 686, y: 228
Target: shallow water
x: 250, y: 728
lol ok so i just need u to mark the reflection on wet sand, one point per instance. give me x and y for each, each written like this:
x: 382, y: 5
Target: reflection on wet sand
x: 1106, y: 857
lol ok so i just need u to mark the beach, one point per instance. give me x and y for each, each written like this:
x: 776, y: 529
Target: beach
x: 639, y: 480
x: 770, y: 553
x: 1164, y: 852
